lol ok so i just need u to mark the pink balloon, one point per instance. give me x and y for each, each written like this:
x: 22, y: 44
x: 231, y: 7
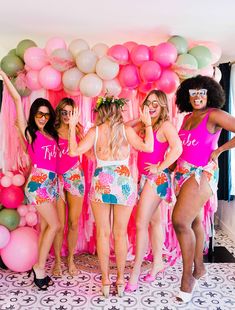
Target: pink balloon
x: 4, y: 236
x: 49, y: 78
x: 6, y: 181
x: 140, y: 54
x: 207, y: 71
x: 150, y: 71
x: 165, y: 54
x: 32, y: 80
x: 12, y: 196
x: 21, y: 252
x: 18, y: 180
x: 119, y: 53
x: 31, y: 218
x: 168, y: 81
x: 32, y: 208
x: 53, y: 44
x: 22, y: 221
x: 129, y: 76
x: 35, y: 58
x: 130, y: 45
x: 9, y: 174
x: 145, y: 87
x: 22, y: 210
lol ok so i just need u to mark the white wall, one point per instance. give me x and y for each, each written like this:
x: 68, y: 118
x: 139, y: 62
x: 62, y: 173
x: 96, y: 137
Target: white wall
x: 226, y: 217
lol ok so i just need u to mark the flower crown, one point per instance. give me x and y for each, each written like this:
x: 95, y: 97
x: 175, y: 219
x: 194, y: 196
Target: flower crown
x: 106, y: 100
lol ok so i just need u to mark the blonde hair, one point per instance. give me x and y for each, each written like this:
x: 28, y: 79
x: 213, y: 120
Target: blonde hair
x: 163, y: 102
x: 112, y: 113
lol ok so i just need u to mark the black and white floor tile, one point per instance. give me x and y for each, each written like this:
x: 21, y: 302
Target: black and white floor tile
x: 216, y: 290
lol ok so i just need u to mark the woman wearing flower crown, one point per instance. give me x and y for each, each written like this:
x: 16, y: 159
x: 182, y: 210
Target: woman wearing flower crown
x: 155, y: 184
x: 113, y: 188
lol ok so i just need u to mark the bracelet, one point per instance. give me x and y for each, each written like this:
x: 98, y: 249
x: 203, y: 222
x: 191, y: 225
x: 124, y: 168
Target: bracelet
x: 148, y: 126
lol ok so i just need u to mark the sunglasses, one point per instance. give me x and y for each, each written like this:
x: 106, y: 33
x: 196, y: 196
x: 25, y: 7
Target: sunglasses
x: 198, y: 92
x: 65, y: 112
x: 40, y: 114
x: 154, y: 103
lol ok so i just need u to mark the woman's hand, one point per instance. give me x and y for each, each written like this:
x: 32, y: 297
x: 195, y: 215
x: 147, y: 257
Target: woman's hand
x: 74, y: 117
x: 145, y: 116
x: 214, y: 155
x: 152, y: 168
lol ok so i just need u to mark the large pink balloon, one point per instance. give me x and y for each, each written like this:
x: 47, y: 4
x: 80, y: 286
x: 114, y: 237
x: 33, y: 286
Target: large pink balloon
x: 120, y: 53
x: 18, y: 180
x: 21, y: 252
x: 165, y: 54
x: 168, y: 81
x: 130, y: 45
x: 49, y: 78
x: 12, y: 196
x: 150, y: 71
x: 32, y: 80
x: 140, y: 54
x: 53, y: 44
x: 4, y: 236
x: 129, y: 76
x: 146, y: 87
x: 35, y: 58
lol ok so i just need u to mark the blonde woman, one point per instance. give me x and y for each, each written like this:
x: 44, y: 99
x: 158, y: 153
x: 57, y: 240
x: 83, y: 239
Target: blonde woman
x: 155, y: 184
x: 112, y: 185
x: 70, y: 187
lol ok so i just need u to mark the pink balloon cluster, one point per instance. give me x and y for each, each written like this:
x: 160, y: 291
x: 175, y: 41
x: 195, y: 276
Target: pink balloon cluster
x: 28, y: 215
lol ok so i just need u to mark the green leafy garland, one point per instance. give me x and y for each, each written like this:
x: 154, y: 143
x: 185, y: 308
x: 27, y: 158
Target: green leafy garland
x: 107, y: 100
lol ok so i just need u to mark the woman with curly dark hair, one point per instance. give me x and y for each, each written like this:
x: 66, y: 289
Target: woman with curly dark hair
x: 196, y: 174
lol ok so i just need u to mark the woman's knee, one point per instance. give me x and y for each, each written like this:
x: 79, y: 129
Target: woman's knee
x: 73, y: 225
x: 103, y: 233
x: 179, y: 223
x: 141, y: 225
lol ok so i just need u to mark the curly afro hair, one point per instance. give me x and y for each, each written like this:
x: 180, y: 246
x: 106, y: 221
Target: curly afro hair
x: 215, y: 93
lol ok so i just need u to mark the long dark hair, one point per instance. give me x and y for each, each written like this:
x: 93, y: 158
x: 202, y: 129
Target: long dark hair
x: 31, y: 125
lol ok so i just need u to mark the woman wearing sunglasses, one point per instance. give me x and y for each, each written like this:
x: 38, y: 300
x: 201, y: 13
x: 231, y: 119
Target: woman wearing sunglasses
x: 41, y: 187
x: 155, y: 184
x: 196, y: 174
x: 70, y: 187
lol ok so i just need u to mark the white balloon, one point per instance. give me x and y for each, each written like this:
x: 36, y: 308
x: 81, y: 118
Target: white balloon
x: 71, y: 79
x: 61, y: 59
x: 86, y: 61
x: 91, y: 85
x: 78, y: 45
x: 217, y: 74
x: 100, y: 49
x: 107, y: 68
x: 112, y: 87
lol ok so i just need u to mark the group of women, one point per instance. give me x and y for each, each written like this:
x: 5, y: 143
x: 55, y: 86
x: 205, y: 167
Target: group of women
x: 57, y: 177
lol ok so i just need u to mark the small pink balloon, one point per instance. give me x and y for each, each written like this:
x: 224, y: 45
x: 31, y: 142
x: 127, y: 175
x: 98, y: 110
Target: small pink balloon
x: 32, y: 80
x: 6, y: 181
x: 150, y: 71
x: 35, y: 58
x: 49, y: 78
x: 18, y: 180
x: 165, y: 54
x: 12, y: 196
x: 119, y: 53
x: 22, y: 221
x: 31, y: 218
x: 168, y: 81
x: 140, y: 54
x: 129, y: 76
x: 4, y: 236
x: 130, y: 45
x: 53, y: 44
x: 22, y: 210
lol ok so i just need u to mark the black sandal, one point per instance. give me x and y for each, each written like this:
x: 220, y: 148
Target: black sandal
x: 42, y: 284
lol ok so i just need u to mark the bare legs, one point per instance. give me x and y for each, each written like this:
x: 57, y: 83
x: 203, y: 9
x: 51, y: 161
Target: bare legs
x: 75, y: 208
x: 147, y: 210
x: 188, y: 227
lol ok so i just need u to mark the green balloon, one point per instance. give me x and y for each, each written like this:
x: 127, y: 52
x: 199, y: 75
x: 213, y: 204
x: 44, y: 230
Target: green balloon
x: 186, y: 66
x: 21, y: 87
x: 22, y: 47
x: 180, y: 43
x: 9, y: 218
x: 12, y: 52
x: 202, y: 54
x: 11, y: 64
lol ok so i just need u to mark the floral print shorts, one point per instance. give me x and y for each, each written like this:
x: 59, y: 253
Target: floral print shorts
x: 185, y: 170
x: 72, y: 181
x: 161, y: 184
x: 41, y: 186
x: 113, y: 185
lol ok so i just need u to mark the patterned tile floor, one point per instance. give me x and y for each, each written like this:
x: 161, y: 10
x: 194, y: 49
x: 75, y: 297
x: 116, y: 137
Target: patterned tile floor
x: 216, y: 292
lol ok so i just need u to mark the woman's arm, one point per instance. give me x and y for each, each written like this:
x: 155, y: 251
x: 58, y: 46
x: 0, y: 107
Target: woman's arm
x: 21, y: 120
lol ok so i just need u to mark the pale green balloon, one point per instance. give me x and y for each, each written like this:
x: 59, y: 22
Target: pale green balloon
x: 180, y: 43
x: 23, y: 46
x: 186, y: 66
x: 11, y: 64
x: 202, y: 54
x: 12, y: 52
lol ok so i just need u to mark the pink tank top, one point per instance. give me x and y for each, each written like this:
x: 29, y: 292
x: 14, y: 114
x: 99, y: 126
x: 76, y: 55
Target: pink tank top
x: 156, y: 156
x: 64, y: 161
x: 198, y: 143
x: 43, y: 153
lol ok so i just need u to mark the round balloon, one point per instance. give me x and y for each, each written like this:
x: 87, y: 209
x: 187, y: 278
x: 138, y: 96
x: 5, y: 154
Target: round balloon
x: 9, y: 218
x: 12, y: 196
x: 71, y: 79
x: 107, y: 68
x: 49, y: 78
x: 61, y: 59
x: 165, y: 54
x: 35, y: 58
x: 22, y: 46
x: 21, y: 252
x: 120, y: 53
x: 202, y: 54
x: 53, y: 44
x: 180, y: 43
x: 100, y: 49
x: 86, y: 61
x: 11, y: 64
x: 78, y: 45
x: 91, y: 85
x: 4, y: 236
x: 112, y: 87
x: 129, y: 76
x: 150, y: 71
x: 6, y: 181
x: 32, y: 80
x: 140, y: 54
x: 168, y: 81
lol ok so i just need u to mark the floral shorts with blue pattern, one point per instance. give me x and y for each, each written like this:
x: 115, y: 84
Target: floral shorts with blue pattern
x: 41, y: 186
x: 113, y: 185
x: 161, y: 184
x: 185, y: 170
x: 72, y: 181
